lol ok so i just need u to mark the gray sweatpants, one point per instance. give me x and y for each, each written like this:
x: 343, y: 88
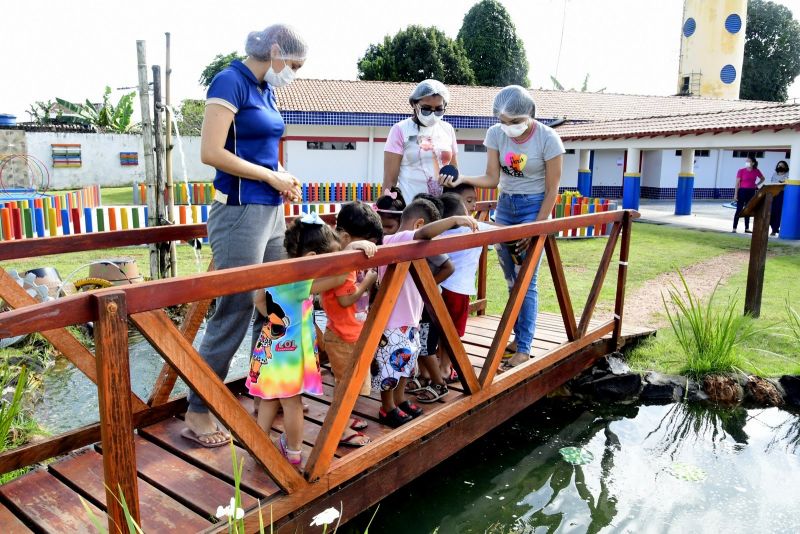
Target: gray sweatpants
x: 239, y: 236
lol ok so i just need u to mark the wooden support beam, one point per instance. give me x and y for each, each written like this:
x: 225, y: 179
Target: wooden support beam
x: 622, y: 276
x: 159, y: 330
x: 440, y: 317
x: 189, y: 328
x: 61, y: 338
x: 760, y: 207
x: 511, y: 312
x: 599, y: 278
x: 560, y: 285
x: 348, y: 386
x: 116, y: 422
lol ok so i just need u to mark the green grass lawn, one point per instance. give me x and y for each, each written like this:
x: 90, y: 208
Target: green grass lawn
x: 117, y: 196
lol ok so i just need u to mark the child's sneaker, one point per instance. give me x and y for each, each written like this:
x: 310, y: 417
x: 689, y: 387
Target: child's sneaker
x: 411, y: 409
x: 395, y: 418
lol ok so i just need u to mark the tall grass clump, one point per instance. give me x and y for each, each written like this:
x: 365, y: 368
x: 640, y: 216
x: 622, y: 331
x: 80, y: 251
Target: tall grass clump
x: 793, y: 323
x: 709, y: 334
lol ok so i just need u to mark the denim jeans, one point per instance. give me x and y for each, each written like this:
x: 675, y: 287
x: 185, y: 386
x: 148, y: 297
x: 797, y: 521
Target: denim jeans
x: 517, y: 209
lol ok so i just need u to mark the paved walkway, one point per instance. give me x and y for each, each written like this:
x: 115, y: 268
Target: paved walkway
x: 712, y: 215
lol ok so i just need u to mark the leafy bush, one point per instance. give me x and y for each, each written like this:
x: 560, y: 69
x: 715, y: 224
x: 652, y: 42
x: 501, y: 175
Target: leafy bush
x: 708, y: 335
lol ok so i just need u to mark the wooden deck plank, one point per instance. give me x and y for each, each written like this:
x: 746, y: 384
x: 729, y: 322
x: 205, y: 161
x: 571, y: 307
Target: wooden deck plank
x: 43, y: 500
x: 159, y: 512
x: 11, y: 524
x: 255, y: 480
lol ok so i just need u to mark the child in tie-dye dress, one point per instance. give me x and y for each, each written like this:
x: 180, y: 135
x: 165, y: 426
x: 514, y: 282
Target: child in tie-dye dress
x: 284, y: 364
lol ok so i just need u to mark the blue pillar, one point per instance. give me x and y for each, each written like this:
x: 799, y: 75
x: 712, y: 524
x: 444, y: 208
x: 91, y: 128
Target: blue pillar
x: 790, y: 218
x: 683, y: 198
x: 631, y: 190
x: 585, y: 182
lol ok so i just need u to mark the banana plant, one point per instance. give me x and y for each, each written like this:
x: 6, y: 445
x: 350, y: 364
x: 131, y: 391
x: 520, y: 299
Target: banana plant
x: 105, y: 116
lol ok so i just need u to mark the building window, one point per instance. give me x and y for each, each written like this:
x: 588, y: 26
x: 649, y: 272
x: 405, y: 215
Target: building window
x: 474, y: 148
x: 569, y: 151
x: 697, y: 153
x: 685, y: 85
x: 757, y: 154
x: 788, y: 154
x: 325, y: 145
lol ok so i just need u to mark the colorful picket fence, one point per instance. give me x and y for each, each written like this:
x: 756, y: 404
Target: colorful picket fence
x: 572, y: 203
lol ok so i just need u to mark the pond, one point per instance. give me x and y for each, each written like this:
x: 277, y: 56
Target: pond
x: 673, y: 468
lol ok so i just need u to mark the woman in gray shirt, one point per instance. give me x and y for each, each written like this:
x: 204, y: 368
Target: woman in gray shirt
x: 524, y: 159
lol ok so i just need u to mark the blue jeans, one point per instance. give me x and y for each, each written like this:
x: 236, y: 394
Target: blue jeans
x: 517, y: 209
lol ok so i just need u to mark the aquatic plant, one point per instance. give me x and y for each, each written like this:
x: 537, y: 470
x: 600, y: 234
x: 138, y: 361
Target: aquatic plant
x: 10, y: 407
x: 709, y: 335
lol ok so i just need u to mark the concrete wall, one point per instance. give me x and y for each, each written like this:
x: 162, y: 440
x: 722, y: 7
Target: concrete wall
x: 651, y: 168
x: 100, y: 162
x: 608, y: 167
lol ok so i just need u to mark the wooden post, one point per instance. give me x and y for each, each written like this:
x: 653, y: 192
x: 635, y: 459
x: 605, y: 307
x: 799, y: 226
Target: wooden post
x: 149, y: 155
x: 622, y: 276
x: 760, y: 208
x: 169, y: 198
x: 116, y: 421
x: 159, y: 157
x: 560, y: 286
x: 483, y: 269
x: 599, y: 278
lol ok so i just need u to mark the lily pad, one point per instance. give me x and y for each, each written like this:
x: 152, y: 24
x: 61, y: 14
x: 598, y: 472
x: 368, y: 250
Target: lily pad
x: 688, y: 472
x: 576, y: 455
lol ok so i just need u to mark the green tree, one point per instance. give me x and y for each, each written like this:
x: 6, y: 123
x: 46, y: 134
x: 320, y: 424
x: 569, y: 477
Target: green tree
x: 217, y: 64
x: 190, y: 116
x: 415, y: 54
x: 44, y: 112
x: 771, y: 52
x: 105, y: 116
x: 495, y: 52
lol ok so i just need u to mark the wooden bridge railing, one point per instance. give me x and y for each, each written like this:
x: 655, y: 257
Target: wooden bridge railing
x: 121, y: 411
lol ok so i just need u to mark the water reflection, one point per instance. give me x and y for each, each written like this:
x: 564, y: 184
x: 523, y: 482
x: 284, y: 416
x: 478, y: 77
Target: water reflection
x: 514, y: 480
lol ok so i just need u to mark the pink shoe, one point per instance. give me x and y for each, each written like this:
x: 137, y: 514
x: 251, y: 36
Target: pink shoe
x: 294, y: 457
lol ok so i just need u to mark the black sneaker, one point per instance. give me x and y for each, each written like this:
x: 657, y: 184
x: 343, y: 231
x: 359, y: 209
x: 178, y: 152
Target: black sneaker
x: 411, y: 409
x: 394, y: 419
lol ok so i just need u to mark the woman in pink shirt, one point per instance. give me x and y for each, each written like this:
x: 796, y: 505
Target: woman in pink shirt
x: 747, y: 181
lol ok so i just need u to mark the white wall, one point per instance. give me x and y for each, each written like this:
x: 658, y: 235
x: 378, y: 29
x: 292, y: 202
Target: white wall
x: 608, y: 167
x: 100, y: 162
x: 651, y: 168
x: 569, y: 175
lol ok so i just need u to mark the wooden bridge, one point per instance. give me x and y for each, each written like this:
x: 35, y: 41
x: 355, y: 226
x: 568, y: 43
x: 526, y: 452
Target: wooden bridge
x: 170, y: 483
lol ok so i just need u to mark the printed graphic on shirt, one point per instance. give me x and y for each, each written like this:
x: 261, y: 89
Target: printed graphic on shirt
x: 429, y: 156
x: 273, y: 330
x: 514, y: 164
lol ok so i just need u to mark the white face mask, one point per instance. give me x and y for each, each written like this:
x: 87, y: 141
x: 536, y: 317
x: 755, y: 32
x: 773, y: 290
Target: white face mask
x: 514, y: 130
x: 428, y: 120
x: 280, y: 79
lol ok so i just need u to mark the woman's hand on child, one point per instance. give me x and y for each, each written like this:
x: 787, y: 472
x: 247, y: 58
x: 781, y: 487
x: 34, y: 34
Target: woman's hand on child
x: 465, y: 220
x: 368, y: 247
x: 449, y: 181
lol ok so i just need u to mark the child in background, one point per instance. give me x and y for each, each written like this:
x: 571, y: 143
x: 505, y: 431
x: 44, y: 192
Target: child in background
x: 468, y: 195
x: 390, y: 208
x: 357, y: 226
x: 399, y: 345
x: 284, y: 364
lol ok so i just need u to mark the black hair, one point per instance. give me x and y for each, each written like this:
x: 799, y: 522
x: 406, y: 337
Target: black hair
x: 302, y: 238
x: 360, y: 221
x: 423, y: 209
x: 460, y: 188
x: 387, y: 203
x: 782, y: 162
x: 754, y: 160
x: 453, y: 205
x: 431, y: 198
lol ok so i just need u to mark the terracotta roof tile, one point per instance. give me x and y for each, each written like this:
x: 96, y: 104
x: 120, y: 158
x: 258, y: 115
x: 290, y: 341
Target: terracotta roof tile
x: 354, y: 96
x: 770, y: 117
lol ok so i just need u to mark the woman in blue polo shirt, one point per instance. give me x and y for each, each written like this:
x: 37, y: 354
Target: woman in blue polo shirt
x: 242, y: 129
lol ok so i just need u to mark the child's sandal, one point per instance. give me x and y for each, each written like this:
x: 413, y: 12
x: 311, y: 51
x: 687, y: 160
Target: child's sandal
x: 294, y: 457
x: 394, y: 418
x: 416, y: 384
x: 411, y: 409
x: 432, y: 393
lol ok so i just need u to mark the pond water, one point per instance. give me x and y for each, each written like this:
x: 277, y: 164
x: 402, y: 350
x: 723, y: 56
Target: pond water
x: 674, y: 468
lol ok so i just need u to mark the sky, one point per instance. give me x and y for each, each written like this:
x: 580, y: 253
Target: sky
x: 48, y: 50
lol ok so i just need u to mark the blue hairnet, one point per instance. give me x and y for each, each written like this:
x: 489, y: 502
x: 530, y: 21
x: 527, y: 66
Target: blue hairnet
x: 514, y: 101
x: 291, y: 45
x: 429, y: 88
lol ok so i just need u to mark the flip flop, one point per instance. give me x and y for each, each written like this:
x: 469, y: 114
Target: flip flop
x: 348, y: 441
x: 190, y: 434
x: 358, y: 424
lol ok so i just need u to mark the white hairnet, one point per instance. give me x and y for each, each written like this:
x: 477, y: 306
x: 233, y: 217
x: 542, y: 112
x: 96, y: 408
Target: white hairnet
x: 429, y: 88
x: 514, y: 101
x: 292, y: 46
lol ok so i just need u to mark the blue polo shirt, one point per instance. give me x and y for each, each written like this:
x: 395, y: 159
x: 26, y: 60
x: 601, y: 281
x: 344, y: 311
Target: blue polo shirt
x: 254, y: 134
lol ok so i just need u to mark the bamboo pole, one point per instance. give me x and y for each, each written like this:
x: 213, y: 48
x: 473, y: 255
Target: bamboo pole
x: 149, y: 156
x: 170, y: 199
x: 159, y: 153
